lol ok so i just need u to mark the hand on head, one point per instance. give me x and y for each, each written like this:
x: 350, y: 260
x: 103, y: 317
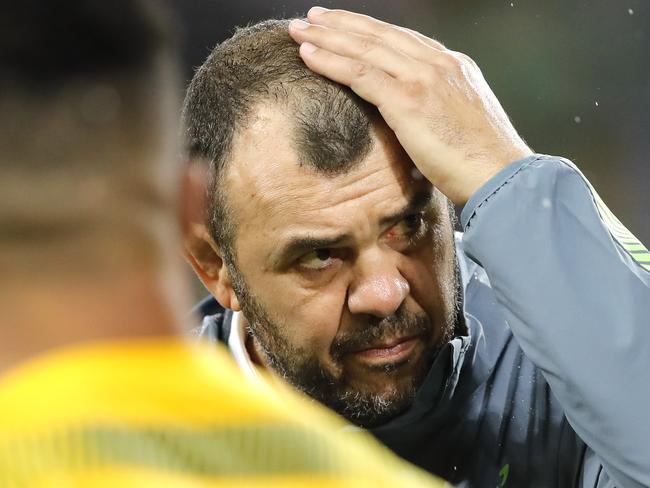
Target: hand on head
x: 435, y: 100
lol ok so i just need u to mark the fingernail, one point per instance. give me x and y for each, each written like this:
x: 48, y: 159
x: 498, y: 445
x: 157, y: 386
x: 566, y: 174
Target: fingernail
x: 307, y: 48
x: 298, y: 24
x: 316, y: 10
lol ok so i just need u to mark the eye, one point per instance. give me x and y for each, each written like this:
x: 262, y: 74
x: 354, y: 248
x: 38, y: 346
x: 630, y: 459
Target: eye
x: 413, y: 224
x: 409, y: 226
x: 317, y: 259
x: 407, y: 231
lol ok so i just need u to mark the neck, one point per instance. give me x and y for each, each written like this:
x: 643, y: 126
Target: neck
x: 40, y: 315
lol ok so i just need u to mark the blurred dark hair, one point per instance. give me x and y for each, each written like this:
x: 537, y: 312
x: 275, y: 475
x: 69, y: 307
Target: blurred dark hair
x: 87, y: 119
x: 46, y: 43
x: 76, y: 72
x: 260, y: 64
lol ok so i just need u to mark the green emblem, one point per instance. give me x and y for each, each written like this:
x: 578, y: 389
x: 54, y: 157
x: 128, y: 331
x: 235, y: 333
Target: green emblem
x: 503, y: 475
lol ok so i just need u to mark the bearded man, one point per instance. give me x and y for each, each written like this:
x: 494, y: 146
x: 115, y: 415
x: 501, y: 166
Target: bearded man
x: 98, y: 385
x: 505, y: 356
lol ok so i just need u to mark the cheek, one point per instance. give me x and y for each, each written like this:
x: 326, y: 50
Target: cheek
x: 308, y: 318
x: 312, y: 317
x: 430, y: 273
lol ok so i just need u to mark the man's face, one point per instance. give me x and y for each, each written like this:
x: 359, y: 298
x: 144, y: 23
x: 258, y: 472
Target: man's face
x: 347, y: 282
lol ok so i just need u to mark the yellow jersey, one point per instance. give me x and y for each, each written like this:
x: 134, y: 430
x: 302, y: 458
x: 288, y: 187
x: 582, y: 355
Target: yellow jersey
x: 165, y: 413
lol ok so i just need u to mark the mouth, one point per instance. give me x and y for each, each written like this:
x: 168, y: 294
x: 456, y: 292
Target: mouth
x: 392, y: 351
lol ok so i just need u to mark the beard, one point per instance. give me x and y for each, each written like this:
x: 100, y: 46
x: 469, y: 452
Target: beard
x: 306, y: 372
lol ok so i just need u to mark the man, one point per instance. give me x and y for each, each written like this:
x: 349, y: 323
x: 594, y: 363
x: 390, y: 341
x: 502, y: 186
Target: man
x: 96, y: 386
x: 329, y: 245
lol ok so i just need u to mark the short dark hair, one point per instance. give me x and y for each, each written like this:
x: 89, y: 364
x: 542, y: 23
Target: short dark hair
x: 46, y: 44
x: 258, y: 64
x: 97, y: 63
x: 81, y: 83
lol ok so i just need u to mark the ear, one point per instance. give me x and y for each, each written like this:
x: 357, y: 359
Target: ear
x: 200, y: 249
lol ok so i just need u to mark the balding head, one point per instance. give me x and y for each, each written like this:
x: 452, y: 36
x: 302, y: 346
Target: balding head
x: 260, y: 66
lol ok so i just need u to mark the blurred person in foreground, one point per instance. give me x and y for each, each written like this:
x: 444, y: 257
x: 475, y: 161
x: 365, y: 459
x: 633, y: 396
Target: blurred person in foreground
x: 513, y: 355
x: 97, y: 388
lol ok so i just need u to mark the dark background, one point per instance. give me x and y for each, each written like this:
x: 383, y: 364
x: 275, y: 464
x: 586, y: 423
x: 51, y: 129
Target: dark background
x: 572, y: 75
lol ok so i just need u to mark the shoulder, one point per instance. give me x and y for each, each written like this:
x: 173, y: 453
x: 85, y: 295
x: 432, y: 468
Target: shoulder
x: 210, y: 320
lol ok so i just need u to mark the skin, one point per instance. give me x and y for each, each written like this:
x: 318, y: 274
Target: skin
x: 387, y: 260
x: 121, y: 277
x: 436, y: 100
x: 439, y: 115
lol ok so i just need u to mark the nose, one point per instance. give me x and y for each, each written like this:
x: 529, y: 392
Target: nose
x: 378, y: 289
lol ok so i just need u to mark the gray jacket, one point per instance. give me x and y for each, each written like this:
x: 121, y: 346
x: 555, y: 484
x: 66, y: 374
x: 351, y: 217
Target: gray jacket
x: 549, y: 386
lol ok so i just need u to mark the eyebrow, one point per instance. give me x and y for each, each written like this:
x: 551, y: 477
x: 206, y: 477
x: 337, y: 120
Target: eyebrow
x: 300, y: 245
x: 416, y: 203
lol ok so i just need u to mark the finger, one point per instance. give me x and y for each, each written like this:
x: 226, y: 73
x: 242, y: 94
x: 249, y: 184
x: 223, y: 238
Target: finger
x: 399, y: 38
x: 370, y: 83
x: 464, y: 58
x: 368, y: 49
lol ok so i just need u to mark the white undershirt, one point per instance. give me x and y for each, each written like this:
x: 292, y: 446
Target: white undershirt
x: 237, y: 346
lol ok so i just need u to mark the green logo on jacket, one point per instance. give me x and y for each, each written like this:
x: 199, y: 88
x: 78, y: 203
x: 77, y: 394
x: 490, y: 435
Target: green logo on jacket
x: 503, y: 475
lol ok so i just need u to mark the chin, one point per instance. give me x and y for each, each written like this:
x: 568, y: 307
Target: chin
x: 372, y: 403
x: 368, y: 409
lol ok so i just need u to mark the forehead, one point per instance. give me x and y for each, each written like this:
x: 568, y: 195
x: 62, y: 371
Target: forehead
x: 270, y: 189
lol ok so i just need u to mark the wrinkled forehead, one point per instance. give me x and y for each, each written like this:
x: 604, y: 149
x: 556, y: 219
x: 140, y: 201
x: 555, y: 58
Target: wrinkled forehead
x: 269, y: 186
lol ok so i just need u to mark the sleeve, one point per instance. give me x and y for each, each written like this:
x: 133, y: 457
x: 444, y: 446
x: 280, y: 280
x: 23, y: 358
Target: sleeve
x: 575, y: 286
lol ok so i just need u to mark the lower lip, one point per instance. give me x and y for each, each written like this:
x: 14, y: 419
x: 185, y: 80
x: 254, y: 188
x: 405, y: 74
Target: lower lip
x: 388, y: 354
